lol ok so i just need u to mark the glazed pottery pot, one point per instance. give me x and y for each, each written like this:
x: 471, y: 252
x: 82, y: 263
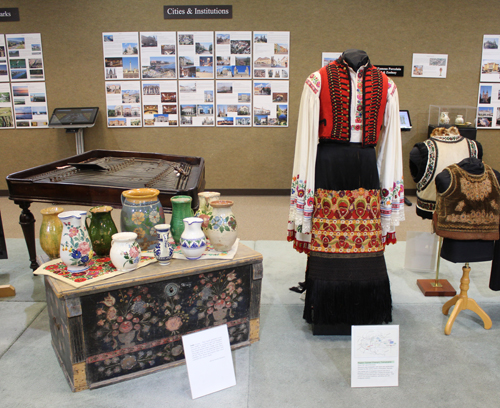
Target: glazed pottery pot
x: 141, y: 211
x: 101, y: 228
x: 76, y: 249
x: 163, y: 250
x: 193, y: 241
x: 51, y: 231
x: 222, y: 228
x: 125, y: 251
x: 181, y: 208
x: 205, y: 209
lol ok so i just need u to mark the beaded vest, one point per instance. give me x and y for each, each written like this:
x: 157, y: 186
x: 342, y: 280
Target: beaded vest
x: 336, y: 99
x: 470, y: 206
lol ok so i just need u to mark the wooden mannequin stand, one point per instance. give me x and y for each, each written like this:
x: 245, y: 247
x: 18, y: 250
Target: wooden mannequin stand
x: 463, y: 302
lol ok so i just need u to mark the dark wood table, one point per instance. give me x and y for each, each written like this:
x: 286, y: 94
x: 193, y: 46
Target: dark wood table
x: 98, y: 177
x: 3, y: 245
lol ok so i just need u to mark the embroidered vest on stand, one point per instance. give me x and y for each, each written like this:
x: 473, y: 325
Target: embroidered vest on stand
x: 442, y: 151
x: 470, y: 206
x: 336, y: 99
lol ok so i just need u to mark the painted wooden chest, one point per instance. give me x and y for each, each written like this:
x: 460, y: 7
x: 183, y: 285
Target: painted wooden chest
x: 132, y: 325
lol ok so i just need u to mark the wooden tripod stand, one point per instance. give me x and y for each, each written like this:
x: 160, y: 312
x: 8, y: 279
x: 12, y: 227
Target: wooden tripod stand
x: 463, y: 302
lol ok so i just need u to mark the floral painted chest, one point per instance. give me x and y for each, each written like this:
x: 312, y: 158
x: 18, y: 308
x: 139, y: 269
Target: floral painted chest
x: 133, y: 324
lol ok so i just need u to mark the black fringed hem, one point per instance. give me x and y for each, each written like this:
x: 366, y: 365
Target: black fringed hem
x: 354, y: 291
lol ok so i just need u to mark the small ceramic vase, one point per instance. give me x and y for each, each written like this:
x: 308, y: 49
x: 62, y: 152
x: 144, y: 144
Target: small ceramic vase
x: 181, y: 208
x: 459, y: 120
x: 51, y: 231
x: 193, y: 241
x: 141, y: 211
x: 101, y: 228
x: 76, y: 249
x: 444, y: 119
x: 222, y: 228
x: 163, y: 250
x: 125, y: 251
x: 205, y: 210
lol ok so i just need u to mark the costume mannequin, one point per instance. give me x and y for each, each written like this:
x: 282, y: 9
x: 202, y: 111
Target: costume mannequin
x: 346, y: 201
x: 468, y: 217
x: 429, y: 158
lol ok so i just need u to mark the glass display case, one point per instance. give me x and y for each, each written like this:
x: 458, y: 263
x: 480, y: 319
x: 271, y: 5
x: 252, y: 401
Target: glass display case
x: 463, y: 117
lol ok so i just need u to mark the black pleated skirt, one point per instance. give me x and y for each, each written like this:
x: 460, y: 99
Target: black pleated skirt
x: 350, y: 289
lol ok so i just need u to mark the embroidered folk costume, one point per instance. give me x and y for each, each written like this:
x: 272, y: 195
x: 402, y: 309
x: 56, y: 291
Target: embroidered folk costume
x: 345, y: 201
x: 429, y: 158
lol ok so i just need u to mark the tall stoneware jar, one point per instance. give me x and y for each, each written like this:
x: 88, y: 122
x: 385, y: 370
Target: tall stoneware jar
x: 101, y: 228
x: 205, y: 210
x: 141, y: 211
x: 222, y: 227
x: 181, y: 208
x: 50, y: 231
x: 76, y: 249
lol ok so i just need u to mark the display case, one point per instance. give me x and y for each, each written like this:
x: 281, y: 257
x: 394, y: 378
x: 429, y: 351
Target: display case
x: 463, y: 117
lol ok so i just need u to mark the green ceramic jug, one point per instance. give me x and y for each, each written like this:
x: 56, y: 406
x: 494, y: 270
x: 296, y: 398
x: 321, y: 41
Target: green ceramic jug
x: 101, y: 227
x: 181, y: 208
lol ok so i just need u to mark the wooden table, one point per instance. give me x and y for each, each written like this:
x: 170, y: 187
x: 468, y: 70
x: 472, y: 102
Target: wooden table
x: 132, y: 324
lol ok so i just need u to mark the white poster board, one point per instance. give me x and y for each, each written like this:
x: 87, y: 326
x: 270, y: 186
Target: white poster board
x: 123, y: 104
x: 429, y: 66
x: 233, y: 54
x: 196, y: 54
x: 121, y: 55
x: 30, y: 105
x: 159, y: 103
x: 6, y: 115
x: 196, y: 103
x: 25, y: 57
x: 328, y: 57
x: 158, y: 55
x: 375, y: 356
x: 4, y: 66
x: 488, y: 106
x: 271, y: 54
x: 234, y: 103
x: 270, y: 103
x: 209, y: 361
x: 490, y: 60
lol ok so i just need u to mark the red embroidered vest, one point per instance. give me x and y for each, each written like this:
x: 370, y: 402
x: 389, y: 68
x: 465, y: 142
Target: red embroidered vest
x: 335, y: 102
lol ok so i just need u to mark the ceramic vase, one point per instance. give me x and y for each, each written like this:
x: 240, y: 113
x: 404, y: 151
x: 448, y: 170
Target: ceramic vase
x: 101, y: 228
x: 444, y: 119
x: 181, y: 208
x: 76, y: 249
x: 125, y: 251
x: 205, y: 210
x: 193, y: 241
x: 141, y: 211
x: 51, y: 231
x: 459, y: 120
x: 163, y: 250
x: 222, y: 227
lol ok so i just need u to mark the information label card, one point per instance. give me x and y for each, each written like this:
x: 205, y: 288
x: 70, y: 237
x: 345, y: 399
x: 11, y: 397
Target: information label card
x: 209, y: 361
x: 375, y: 356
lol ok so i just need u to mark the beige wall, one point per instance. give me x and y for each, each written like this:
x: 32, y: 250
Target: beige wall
x: 256, y: 158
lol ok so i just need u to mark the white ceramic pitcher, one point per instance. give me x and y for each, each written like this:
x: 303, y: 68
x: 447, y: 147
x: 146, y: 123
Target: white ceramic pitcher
x: 125, y: 252
x: 76, y: 249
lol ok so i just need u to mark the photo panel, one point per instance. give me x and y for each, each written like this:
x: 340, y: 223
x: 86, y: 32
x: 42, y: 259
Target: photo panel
x: 271, y: 54
x: 234, y: 103
x: 29, y: 100
x: 121, y: 56
x: 270, y: 103
x: 195, y: 55
x: 160, y: 103
x: 25, y: 57
x: 196, y: 103
x: 158, y: 55
x: 123, y: 104
x: 233, y: 54
x: 6, y: 112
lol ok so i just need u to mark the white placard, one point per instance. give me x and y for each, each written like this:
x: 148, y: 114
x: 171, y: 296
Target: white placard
x: 429, y: 65
x: 30, y: 105
x: 123, y: 104
x: 209, y: 361
x: 234, y: 103
x: 490, y: 61
x: 327, y: 57
x: 271, y: 54
x: 158, y: 55
x: 375, y: 356
x: 4, y: 70
x: 196, y: 54
x: 234, y: 54
x: 270, y: 103
x: 121, y: 55
x: 196, y: 103
x: 25, y: 57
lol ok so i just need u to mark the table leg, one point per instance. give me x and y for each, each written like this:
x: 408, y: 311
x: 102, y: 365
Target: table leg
x: 27, y: 221
x: 3, y: 245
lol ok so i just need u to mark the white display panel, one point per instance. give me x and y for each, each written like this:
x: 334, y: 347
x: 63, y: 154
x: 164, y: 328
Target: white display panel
x: 25, y: 57
x: 30, y: 105
x: 123, y: 104
x: 159, y: 103
x: 196, y: 54
x: 121, y: 56
x: 6, y: 113
x: 233, y: 54
x: 196, y: 103
x: 234, y: 103
x: 158, y: 55
x: 271, y: 54
x: 270, y: 103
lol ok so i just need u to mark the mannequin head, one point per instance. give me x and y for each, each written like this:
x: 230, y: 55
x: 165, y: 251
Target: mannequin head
x: 355, y: 58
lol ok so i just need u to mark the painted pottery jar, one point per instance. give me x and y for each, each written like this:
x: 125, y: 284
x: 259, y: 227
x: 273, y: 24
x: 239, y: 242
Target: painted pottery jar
x: 222, y: 228
x: 444, y: 119
x: 101, y: 228
x: 181, y: 208
x: 51, y: 231
x: 125, y: 251
x: 141, y: 211
x: 205, y: 210
x: 163, y: 250
x: 459, y: 120
x: 193, y: 241
x: 76, y: 249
